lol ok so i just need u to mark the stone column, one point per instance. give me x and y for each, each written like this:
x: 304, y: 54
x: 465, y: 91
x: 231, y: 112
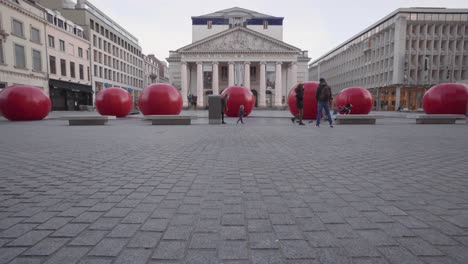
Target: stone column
x: 231, y: 74
x: 247, y: 75
x: 199, y: 84
x: 293, y: 73
x: 278, y: 86
x: 184, y: 84
x: 261, y: 94
x: 215, y: 78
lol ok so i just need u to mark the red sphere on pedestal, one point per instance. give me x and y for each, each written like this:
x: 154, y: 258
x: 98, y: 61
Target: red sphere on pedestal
x: 160, y: 99
x: 360, y: 98
x: 238, y: 95
x: 310, y: 103
x: 446, y: 98
x: 24, y: 103
x: 114, y: 101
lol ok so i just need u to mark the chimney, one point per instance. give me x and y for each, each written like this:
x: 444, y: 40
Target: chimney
x: 80, y: 4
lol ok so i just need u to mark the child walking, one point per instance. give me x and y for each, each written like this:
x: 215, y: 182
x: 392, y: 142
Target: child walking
x: 241, y: 115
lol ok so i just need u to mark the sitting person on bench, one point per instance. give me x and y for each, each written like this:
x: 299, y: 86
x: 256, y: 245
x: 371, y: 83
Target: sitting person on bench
x: 346, y: 110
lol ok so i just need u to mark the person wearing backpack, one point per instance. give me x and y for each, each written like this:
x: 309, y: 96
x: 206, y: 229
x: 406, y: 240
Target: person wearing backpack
x: 323, y: 96
x: 299, y: 104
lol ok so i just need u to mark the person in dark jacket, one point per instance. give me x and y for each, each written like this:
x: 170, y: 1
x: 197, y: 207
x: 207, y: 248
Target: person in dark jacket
x: 224, y: 107
x: 323, y: 96
x: 299, y: 103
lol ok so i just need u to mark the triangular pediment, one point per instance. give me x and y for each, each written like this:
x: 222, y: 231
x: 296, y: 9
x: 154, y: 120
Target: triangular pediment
x: 237, y: 40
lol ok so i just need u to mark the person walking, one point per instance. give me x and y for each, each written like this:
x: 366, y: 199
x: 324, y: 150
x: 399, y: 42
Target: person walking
x: 224, y: 108
x: 240, y: 115
x: 323, y: 96
x: 299, y: 103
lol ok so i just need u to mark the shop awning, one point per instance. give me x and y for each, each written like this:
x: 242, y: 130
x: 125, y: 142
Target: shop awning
x: 76, y: 87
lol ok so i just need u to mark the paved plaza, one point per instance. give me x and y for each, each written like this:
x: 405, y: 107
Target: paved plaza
x: 264, y: 192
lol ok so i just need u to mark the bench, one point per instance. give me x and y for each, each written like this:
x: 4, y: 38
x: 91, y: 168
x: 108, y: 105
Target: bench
x: 170, y: 119
x: 87, y: 120
x: 355, y: 120
x: 437, y: 119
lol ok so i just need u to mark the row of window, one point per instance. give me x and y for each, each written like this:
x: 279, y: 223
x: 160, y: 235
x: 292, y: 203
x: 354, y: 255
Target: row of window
x: 62, y: 47
x: 52, y: 19
x: 111, y: 75
x: 114, y: 50
x: 17, y: 29
x: 113, y: 37
x: 63, y: 68
x: 19, y: 52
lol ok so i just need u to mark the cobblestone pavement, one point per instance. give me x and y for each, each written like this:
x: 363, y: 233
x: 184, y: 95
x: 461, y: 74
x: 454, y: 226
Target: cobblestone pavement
x: 264, y: 192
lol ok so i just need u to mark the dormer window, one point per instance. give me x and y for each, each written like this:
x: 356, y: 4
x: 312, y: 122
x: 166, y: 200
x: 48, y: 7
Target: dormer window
x: 210, y: 24
x: 265, y: 24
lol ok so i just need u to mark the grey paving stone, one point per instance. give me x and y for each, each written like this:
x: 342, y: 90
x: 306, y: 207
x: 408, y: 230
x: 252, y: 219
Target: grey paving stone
x: 377, y: 237
x: 202, y: 257
x: 263, y: 241
x: 9, y: 254
x: 233, y: 233
x: 418, y: 246
x: 67, y: 255
x: 259, y: 225
x: 359, y: 248
x: 145, y: 240
x: 88, y: 238
x: 46, y: 247
x: 322, y: 239
x: 459, y: 253
x: 124, y: 230
x: 27, y: 260
x: 87, y: 217
x: 105, y: 223
x: 30, y: 238
x: 17, y: 230
x: 204, y: 241
x: 108, y: 247
x: 55, y: 223
x: 178, y: 232
x: 297, y: 249
x: 134, y: 256
x: 288, y: 232
x: 170, y: 250
x: 233, y: 250
x: 399, y: 255
x: 233, y: 220
x: 267, y: 257
x: 158, y: 225
x: 70, y: 230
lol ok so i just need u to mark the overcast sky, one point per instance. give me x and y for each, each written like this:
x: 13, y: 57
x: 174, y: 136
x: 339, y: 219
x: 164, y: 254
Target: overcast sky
x: 316, y: 26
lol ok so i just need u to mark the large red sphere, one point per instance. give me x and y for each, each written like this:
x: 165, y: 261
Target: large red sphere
x: 359, y: 97
x: 310, y: 103
x: 24, y: 103
x: 238, y: 96
x: 160, y: 99
x: 446, y: 98
x: 114, y: 101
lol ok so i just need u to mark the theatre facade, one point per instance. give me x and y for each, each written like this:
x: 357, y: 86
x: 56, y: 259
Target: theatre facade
x: 237, y: 47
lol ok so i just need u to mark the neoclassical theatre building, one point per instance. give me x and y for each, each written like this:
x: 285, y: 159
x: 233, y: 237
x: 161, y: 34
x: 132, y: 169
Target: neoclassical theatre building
x: 237, y: 47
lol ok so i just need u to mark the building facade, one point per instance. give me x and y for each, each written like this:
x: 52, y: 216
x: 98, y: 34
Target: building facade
x: 400, y: 57
x: 151, y: 69
x: 22, y: 49
x: 116, y: 58
x: 69, y: 64
x: 237, y: 47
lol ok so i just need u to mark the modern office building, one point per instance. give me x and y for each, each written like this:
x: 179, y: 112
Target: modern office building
x: 22, y: 50
x: 237, y: 47
x: 401, y: 56
x: 115, y: 54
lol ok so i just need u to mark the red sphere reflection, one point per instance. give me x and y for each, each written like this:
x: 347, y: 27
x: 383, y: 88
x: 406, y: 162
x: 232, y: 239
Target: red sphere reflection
x: 446, y: 98
x: 160, y: 99
x: 310, y: 104
x: 238, y: 96
x: 24, y: 103
x: 114, y: 101
x: 359, y: 97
